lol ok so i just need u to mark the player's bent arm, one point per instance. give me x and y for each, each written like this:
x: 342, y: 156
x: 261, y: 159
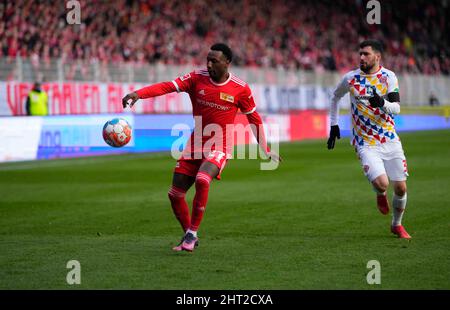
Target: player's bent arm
x: 248, y: 107
x: 334, y: 112
x: 255, y: 119
x: 392, y: 103
x: 339, y: 92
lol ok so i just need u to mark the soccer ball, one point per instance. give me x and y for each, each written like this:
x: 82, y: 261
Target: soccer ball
x: 117, y: 132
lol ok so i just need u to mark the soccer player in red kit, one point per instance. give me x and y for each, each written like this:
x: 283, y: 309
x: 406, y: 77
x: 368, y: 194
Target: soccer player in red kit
x: 216, y: 97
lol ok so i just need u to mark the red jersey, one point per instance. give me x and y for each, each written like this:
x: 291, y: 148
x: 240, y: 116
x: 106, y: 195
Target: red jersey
x: 216, y: 104
x: 214, y: 107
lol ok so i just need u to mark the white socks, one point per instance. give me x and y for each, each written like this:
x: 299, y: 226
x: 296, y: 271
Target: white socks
x: 398, y: 205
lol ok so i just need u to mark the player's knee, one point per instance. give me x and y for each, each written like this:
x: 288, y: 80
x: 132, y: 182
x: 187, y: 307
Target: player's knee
x: 381, y: 184
x: 171, y: 196
x: 175, y: 194
x: 202, y: 180
x: 400, y: 189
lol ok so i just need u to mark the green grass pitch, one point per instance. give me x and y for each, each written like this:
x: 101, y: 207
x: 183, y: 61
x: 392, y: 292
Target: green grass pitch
x: 310, y: 224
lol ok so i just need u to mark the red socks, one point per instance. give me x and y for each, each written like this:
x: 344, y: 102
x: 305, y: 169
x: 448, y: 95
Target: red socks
x: 180, y: 207
x: 202, y: 182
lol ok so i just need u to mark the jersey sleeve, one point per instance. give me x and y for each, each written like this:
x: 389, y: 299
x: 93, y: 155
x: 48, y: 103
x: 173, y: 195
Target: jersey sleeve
x: 185, y: 83
x: 339, y: 92
x: 246, y: 101
x: 155, y: 90
x: 392, y: 102
x: 392, y: 83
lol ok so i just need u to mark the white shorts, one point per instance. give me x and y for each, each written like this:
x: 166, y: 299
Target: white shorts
x: 387, y: 158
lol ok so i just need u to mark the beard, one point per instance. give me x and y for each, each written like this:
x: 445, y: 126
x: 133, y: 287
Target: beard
x: 366, y: 67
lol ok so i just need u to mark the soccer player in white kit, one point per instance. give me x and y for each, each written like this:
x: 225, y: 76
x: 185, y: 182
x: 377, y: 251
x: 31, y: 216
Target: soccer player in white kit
x: 375, y: 99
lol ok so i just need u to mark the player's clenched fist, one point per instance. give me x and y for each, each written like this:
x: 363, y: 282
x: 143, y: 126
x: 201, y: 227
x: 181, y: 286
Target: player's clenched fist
x: 130, y: 99
x: 376, y: 101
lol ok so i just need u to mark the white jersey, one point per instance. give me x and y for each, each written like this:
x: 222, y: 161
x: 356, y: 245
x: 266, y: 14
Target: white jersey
x: 371, y: 126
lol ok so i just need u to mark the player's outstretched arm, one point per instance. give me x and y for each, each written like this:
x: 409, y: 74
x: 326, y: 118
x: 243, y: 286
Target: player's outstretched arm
x: 148, y: 92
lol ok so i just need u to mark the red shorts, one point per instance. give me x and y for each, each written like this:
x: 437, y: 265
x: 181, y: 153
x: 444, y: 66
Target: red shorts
x: 190, y: 166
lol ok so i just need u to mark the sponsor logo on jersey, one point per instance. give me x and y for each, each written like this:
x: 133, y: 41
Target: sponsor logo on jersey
x: 213, y: 105
x: 226, y: 97
x: 185, y: 77
x: 201, y: 92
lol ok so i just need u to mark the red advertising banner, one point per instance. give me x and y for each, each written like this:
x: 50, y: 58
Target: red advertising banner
x: 309, y: 124
x: 87, y: 98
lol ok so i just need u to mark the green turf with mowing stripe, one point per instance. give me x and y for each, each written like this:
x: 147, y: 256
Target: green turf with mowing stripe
x: 311, y: 224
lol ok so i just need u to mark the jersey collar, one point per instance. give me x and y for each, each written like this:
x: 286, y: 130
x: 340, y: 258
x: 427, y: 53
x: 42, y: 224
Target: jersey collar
x: 221, y: 84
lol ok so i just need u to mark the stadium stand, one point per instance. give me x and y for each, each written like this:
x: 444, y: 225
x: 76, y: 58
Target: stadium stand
x: 305, y: 35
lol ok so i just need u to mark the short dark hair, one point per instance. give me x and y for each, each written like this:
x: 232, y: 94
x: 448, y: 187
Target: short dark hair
x: 374, y: 44
x: 225, y: 49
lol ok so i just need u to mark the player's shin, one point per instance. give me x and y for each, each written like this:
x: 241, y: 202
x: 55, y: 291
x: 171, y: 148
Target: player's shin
x: 180, y: 207
x: 380, y: 185
x: 399, y: 205
x: 202, y: 182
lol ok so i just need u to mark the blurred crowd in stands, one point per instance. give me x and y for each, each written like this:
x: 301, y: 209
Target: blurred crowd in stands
x: 309, y: 34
